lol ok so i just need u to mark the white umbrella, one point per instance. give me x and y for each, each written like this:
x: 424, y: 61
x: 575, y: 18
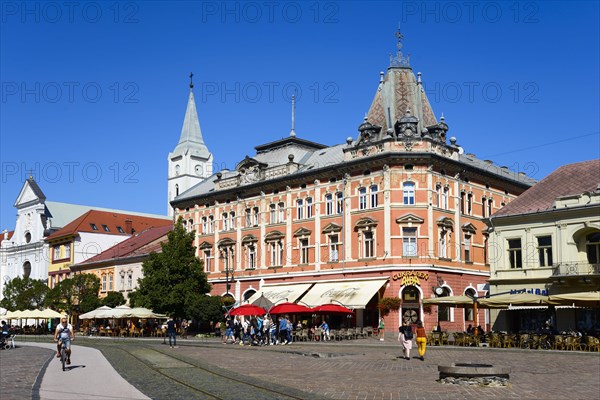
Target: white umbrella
x: 94, y: 313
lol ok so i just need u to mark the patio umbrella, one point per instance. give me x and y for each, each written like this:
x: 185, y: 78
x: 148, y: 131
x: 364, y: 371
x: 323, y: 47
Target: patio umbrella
x: 94, y: 313
x: 290, y: 308
x: 454, y: 301
x: 141, y: 312
x: 263, y: 302
x: 521, y: 299
x: 248, y: 309
x: 120, y: 311
x: 49, y: 313
x: 332, y: 308
x: 590, y: 299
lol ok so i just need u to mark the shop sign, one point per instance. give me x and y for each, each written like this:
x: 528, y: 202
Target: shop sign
x: 410, y: 277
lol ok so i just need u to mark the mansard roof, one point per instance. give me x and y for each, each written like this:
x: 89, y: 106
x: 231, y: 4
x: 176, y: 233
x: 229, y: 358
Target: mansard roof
x: 568, y: 180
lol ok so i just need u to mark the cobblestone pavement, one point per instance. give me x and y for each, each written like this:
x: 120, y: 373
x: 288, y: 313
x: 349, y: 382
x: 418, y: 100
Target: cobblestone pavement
x: 360, y: 369
x: 19, y: 371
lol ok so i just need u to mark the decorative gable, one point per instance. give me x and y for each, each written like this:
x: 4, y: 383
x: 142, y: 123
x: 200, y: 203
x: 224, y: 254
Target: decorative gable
x: 249, y: 239
x: 365, y: 223
x: 302, y: 232
x: 469, y: 228
x: 409, y: 219
x: 331, y: 228
x: 250, y: 170
x: 30, y: 194
x: 205, y: 245
x: 274, y: 235
x: 445, y: 223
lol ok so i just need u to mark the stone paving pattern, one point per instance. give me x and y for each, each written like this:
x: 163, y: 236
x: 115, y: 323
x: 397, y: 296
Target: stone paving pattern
x: 359, y: 369
x: 19, y: 369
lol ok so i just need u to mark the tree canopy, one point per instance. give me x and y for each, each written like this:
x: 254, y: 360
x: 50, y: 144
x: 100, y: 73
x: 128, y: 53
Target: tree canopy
x: 173, y: 280
x: 113, y: 299
x: 24, y: 294
x: 80, y: 291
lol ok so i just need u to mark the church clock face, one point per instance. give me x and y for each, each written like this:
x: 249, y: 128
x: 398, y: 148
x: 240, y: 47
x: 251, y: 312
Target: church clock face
x: 177, y: 169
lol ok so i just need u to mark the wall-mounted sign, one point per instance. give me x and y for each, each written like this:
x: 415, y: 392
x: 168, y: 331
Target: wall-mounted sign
x: 410, y: 277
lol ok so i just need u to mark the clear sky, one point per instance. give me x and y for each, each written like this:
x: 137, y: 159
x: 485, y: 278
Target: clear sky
x: 94, y: 93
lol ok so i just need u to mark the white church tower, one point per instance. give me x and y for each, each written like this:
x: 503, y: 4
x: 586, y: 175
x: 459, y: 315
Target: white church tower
x: 190, y: 162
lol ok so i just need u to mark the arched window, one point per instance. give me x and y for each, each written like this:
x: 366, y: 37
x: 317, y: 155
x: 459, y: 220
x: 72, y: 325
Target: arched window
x: 362, y: 198
x: 469, y: 315
x: 176, y: 190
x: 374, y: 202
x: 593, y: 248
x: 26, y: 269
x: 444, y: 311
x: 408, y: 189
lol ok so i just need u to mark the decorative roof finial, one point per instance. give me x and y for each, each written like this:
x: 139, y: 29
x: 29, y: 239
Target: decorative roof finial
x: 399, y: 60
x: 191, y: 80
x: 293, y: 131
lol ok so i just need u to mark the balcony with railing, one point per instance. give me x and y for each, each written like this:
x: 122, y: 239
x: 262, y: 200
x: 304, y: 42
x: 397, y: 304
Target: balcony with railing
x: 572, y: 269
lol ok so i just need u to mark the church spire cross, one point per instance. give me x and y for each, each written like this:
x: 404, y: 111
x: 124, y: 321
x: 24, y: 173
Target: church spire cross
x: 399, y: 60
x: 191, y: 80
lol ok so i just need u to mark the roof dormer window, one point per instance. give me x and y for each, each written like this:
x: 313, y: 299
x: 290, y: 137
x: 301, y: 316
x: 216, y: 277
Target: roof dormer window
x: 105, y: 227
x: 94, y: 227
x: 120, y: 229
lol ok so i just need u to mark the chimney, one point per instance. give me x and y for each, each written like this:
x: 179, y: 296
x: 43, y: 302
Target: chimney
x: 129, y: 226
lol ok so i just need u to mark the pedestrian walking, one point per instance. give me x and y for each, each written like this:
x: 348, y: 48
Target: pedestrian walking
x: 172, y: 332
x: 184, y: 328
x: 405, y: 336
x: 421, y: 340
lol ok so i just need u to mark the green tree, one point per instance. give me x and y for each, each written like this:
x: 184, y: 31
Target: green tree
x: 173, y: 280
x: 113, y: 299
x: 81, y: 291
x: 24, y: 294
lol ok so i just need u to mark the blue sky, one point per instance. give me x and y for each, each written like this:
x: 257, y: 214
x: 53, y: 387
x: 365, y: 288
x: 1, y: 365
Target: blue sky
x: 93, y: 95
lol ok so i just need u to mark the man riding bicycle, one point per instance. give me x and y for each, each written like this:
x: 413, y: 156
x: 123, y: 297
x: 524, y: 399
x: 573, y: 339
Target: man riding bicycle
x: 63, y: 336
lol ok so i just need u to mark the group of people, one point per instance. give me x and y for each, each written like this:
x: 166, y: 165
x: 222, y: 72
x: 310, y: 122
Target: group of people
x: 406, y: 335
x: 265, y: 330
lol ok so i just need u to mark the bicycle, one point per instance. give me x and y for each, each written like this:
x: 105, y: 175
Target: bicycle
x: 63, y: 354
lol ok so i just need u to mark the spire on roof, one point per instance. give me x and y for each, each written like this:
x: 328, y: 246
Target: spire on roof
x: 190, y: 139
x: 293, y: 131
x: 399, y: 60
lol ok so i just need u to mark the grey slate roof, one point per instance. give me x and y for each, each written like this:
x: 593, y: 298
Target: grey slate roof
x: 191, y: 135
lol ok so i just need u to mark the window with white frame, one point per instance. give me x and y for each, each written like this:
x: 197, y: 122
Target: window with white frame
x: 334, y: 245
x: 408, y: 189
x: 225, y: 221
x: 463, y: 205
x: 276, y: 253
x: 339, y: 202
x: 483, y: 207
x: 490, y: 207
x: 374, y: 196
x: 467, y: 247
x: 368, y: 244
x: 445, y: 195
x: 362, y: 198
x: 409, y: 242
x: 304, y: 251
x: 204, y: 225
x: 470, y: 204
x: 67, y: 250
x: 211, y: 224
x: 444, y: 313
x: 56, y: 252
x: 110, y: 282
x: 443, y: 244
x: 273, y: 213
x: 129, y: 280
x: 469, y: 312
x: 515, y: 253
x: 232, y: 220
x: 122, y: 281
x: 299, y: 209
x: 309, y: 207
x: 545, y: 250
x: 227, y: 256
x: 248, y: 213
x: 281, y: 210
x: 329, y: 204
x: 592, y: 246
x: 251, y: 256
x: 191, y: 225
x: 207, y: 258
x: 255, y: 212
x: 104, y: 283
x: 438, y: 195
